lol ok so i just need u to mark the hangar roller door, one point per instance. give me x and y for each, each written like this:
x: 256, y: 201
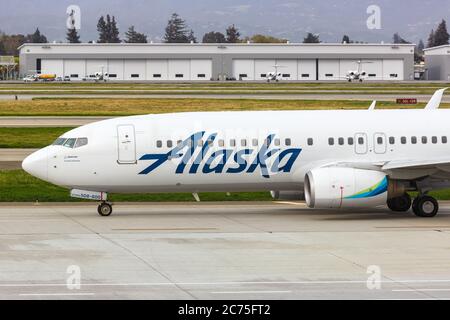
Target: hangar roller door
x: 179, y: 70
x: 75, y: 68
x: 157, y: 69
x: 306, y: 70
x: 244, y: 69
x: 52, y: 66
x: 201, y: 69
x: 115, y: 69
x: 262, y: 67
x: 96, y: 65
x: 373, y: 68
x: 135, y: 70
x: 288, y: 69
x: 329, y: 69
x: 393, y: 69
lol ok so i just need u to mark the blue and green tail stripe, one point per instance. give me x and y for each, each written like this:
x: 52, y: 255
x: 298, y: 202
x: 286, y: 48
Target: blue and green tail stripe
x: 379, y: 188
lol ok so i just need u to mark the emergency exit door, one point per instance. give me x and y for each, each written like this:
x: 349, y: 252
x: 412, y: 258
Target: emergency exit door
x: 126, y: 139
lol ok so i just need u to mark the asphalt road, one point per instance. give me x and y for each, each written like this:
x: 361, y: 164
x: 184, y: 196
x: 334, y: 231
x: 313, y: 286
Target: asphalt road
x: 221, y: 251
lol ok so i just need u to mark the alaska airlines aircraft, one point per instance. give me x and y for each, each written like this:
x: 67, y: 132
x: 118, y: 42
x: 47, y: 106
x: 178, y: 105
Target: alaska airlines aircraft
x: 336, y: 159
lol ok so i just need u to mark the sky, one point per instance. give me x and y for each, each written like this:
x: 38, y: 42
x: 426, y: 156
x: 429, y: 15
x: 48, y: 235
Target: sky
x: 289, y: 19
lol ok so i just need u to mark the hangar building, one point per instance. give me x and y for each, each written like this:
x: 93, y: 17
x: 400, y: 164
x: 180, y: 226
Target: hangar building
x: 245, y: 61
x: 437, y: 63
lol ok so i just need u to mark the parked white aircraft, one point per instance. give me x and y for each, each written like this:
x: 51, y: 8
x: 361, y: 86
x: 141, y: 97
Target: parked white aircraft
x: 358, y: 74
x: 338, y: 159
x: 274, y: 75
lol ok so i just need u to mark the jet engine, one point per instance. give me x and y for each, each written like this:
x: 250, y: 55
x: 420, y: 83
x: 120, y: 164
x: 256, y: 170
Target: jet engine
x: 336, y: 187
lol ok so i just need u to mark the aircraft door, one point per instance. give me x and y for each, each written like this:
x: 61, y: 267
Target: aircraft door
x: 379, y: 142
x: 126, y: 139
x: 361, y: 143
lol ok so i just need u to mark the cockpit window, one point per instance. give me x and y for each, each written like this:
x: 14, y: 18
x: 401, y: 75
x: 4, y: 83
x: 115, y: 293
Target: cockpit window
x: 81, y: 142
x: 69, y: 143
x: 59, y: 141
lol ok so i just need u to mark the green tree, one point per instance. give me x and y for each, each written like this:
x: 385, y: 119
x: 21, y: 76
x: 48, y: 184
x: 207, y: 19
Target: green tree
x: 311, y: 38
x: 176, y: 31
x: 430, y: 42
x: 132, y: 36
x: 191, y: 37
x: 214, y: 37
x: 37, y: 37
x: 397, y: 39
x: 107, y: 30
x: 441, y: 36
x: 102, y: 30
x: 346, y: 39
x: 232, y: 34
x: 113, y: 29
x: 72, y: 36
x: 261, y: 38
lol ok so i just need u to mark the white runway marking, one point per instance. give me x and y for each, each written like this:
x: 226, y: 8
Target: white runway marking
x: 56, y: 294
x: 244, y: 292
x: 424, y: 290
x: 231, y: 283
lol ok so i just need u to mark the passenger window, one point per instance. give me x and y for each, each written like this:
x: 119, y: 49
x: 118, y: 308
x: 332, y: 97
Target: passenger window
x: 360, y: 140
x: 179, y: 142
x: 310, y: 141
x: 434, y: 140
x: 255, y: 142
x: 70, y: 143
x: 414, y: 140
x: 210, y: 142
x: 331, y: 141
x: 221, y: 143
x: 424, y: 140
x: 232, y: 143
x: 200, y: 143
x: 391, y: 140
x: 403, y: 140
x: 81, y: 142
x: 350, y: 141
x: 243, y: 143
x: 287, y: 141
x: 169, y: 143
x: 159, y: 144
x: 277, y: 142
x: 380, y: 140
x: 444, y: 139
x: 341, y: 141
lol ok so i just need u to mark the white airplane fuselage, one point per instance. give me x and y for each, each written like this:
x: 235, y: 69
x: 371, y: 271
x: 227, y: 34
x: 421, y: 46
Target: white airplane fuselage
x: 133, y: 155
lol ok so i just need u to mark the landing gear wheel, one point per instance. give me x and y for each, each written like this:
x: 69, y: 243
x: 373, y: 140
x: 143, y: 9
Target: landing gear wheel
x: 400, y: 204
x: 425, y: 207
x: 104, y: 209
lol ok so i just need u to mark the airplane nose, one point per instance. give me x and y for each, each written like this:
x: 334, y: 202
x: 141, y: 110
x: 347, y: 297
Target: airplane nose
x: 36, y: 164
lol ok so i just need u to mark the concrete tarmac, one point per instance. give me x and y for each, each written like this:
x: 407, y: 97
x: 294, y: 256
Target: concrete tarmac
x: 248, y: 250
x: 12, y: 158
x: 266, y: 96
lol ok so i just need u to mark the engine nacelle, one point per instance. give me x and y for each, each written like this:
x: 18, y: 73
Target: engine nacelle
x: 348, y: 188
x: 293, y: 195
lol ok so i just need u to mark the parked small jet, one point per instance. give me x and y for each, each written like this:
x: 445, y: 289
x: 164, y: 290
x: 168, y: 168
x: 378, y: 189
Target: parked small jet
x: 337, y: 159
x: 274, y: 75
x: 358, y: 75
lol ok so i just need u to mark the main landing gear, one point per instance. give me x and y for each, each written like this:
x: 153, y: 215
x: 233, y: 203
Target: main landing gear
x: 423, y: 206
x: 104, y: 209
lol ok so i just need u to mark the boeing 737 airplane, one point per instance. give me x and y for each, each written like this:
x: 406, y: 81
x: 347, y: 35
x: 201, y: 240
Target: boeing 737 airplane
x: 336, y: 159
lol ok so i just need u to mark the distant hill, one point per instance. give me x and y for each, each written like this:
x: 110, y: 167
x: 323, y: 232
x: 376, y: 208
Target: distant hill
x: 290, y: 19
